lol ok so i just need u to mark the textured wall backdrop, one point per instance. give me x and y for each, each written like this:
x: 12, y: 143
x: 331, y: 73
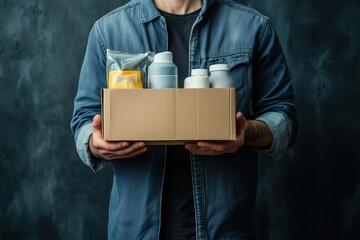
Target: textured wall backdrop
x: 312, y: 191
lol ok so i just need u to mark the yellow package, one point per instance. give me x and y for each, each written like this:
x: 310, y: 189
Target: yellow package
x: 124, y: 79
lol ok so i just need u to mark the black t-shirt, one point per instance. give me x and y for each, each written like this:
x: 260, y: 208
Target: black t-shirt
x: 178, y: 215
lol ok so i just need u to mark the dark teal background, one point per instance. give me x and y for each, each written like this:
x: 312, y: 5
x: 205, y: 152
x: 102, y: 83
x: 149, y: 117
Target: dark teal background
x: 312, y: 191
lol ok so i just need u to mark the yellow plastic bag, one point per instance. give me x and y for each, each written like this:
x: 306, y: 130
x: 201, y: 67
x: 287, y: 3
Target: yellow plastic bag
x: 125, y: 79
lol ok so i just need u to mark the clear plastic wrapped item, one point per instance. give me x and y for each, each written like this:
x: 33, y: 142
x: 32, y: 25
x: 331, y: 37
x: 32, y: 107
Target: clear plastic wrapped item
x: 126, y: 70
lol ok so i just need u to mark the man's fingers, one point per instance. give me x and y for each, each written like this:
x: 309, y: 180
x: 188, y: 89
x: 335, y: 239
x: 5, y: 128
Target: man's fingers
x: 201, y: 151
x: 206, y: 148
x: 110, y: 146
x: 100, y: 143
x: 133, y: 147
x: 113, y: 156
x: 114, y: 150
x: 136, y: 152
x: 213, y: 146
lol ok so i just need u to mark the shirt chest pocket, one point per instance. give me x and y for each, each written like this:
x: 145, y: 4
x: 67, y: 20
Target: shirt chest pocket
x: 238, y: 62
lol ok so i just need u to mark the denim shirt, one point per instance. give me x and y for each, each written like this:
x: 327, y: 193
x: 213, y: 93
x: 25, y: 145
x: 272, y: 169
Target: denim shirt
x: 224, y: 186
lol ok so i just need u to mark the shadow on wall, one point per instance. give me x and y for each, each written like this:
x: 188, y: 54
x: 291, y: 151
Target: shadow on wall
x: 316, y: 183
x: 46, y: 192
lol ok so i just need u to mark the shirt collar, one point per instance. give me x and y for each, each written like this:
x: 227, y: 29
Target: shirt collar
x: 150, y: 12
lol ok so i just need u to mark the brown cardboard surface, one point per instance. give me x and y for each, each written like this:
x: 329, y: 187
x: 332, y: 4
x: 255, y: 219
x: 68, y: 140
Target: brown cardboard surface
x: 168, y: 116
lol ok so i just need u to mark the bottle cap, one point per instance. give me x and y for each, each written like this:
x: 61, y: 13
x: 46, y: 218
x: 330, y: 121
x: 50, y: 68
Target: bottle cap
x: 199, y: 72
x: 219, y: 67
x: 163, y: 57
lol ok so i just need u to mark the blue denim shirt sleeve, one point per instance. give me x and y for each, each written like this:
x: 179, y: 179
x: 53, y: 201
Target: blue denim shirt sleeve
x: 82, y: 147
x: 87, y: 102
x: 273, y: 95
x: 281, y: 128
x: 92, y: 78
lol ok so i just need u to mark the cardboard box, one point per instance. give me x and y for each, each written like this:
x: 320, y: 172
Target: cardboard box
x: 168, y: 116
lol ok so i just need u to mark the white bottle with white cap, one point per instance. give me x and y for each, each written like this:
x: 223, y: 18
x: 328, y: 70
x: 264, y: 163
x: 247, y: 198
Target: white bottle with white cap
x: 199, y: 79
x: 163, y: 73
x: 220, y: 77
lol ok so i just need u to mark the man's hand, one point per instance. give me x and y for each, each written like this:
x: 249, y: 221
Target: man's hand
x: 252, y: 133
x: 211, y: 148
x: 112, y: 150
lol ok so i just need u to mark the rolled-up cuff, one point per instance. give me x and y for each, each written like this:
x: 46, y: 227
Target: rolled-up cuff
x: 82, y: 147
x: 281, y: 128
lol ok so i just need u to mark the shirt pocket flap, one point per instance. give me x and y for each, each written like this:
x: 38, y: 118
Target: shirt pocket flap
x: 232, y: 58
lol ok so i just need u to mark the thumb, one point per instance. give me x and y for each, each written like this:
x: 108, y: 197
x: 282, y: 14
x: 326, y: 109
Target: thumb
x: 97, y: 123
x: 239, y: 115
x: 240, y: 122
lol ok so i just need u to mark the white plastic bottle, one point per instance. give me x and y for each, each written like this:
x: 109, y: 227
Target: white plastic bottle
x: 199, y: 79
x: 220, y: 77
x: 163, y: 73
